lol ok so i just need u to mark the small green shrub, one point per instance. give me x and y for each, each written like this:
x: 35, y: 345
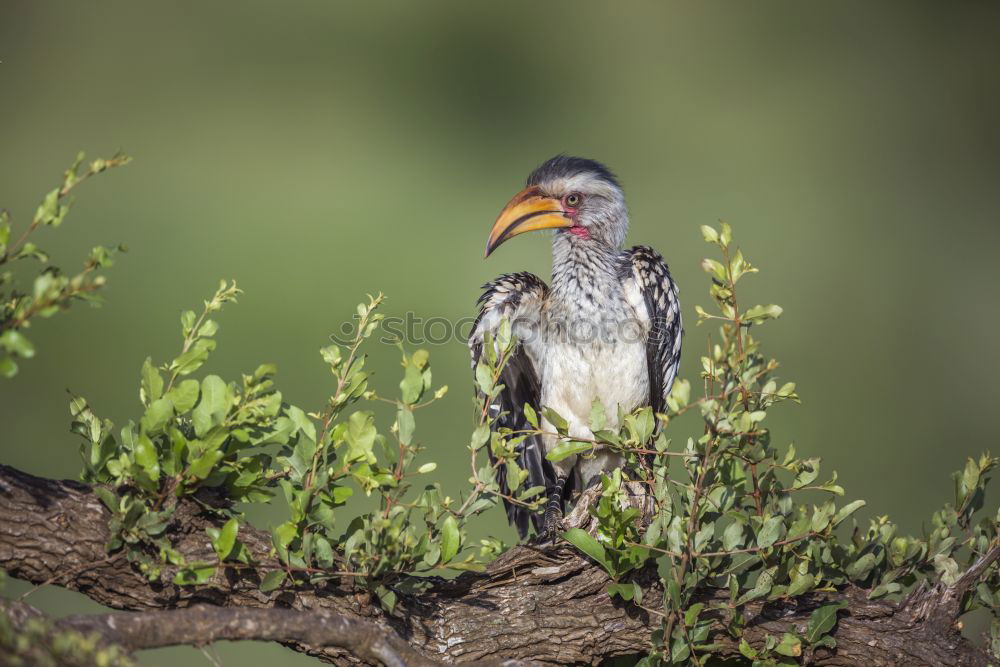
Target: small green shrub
x: 730, y: 510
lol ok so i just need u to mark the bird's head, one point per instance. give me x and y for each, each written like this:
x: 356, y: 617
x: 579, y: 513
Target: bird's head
x: 571, y: 195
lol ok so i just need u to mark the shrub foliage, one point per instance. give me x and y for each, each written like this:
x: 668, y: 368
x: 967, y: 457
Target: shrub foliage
x: 731, y: 510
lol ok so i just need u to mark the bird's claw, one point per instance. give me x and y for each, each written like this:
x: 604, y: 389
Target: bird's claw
x: 552, y: 527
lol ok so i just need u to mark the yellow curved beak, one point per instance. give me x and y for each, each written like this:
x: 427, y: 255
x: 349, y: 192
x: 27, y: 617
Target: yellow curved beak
x: 528, y: 211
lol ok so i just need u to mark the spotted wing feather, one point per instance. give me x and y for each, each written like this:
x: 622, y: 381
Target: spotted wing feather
x: 648, y: 272
x: 516, y: 297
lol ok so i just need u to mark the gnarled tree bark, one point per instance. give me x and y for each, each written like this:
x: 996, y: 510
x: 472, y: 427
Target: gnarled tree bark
x: 533, y: 605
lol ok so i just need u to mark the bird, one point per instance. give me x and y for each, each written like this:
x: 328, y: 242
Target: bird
x: 608, y: 328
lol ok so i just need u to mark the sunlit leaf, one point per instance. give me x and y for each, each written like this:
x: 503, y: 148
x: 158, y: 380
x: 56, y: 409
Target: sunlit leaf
x: 588, y: 545
x: 568, y: 448
x: 822, y: 620
x: 450, y: 538
x: 272, y: 580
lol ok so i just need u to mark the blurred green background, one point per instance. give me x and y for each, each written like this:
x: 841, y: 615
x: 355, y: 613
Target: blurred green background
x: 315, y: 151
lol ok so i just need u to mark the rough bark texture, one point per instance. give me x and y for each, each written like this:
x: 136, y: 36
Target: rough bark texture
x: 134, y: 631
x: 534, y: 605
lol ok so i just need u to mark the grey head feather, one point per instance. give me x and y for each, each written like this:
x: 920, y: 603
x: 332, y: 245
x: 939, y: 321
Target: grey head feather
x: 603, y: 211
x: 566, y: 166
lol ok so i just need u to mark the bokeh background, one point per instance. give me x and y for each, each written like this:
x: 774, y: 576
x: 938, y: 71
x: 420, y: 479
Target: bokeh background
x: 316, y: 151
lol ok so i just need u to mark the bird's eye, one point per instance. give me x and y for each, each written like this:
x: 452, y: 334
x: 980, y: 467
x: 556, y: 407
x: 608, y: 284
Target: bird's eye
x: 573, y: 199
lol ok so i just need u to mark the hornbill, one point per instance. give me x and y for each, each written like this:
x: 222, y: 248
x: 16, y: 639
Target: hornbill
x: 608, y: 328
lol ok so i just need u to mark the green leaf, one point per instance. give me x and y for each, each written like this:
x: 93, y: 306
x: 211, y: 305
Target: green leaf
x: 680, y: 651
x: 387, y: 597
x: 885, y: 589
x: 946, y: 568
x: 50, y: 211
x: 331, y: 354
x: 821, y: 516
x: 715, y: 268
x: 582, y: 540
x: 808, y: 472
x: 624, y: 591
x: 860, y: 568
x: 226, y: 540
x: 759, y: 314
x: 145, y: 456
x: 419, y: 358
x: 804, y: 583
x: 194, y: 574
x: 763, y: 585
x: 847, y: 510
x: 302, y: 422
x: 405, y: 424
x: 202, y: 466
x: 770, y: 532
x: 503, y: 335
x: 17, y: 344
x: 8, y: 367
x: 607, y: 436
x: 4, y: 231
x: 341, y: 494
x: 674, y: 593
x: 157, y: 416
x: 184, y: 395
x: 212, y: 406
x: 680, y: 395
x: 531, y: 415
x: 732, y: 537
x: 187, y: 321
x: 484, y: 378
x: 412, y: 384
x: 107, y: 497
x: 192, y: 360
x: 323, y: 552
x: 555, y: 419
x: 789, y: 645
x: 524, y: 495
x: 284, y: 533
x: 450, y: 538
x: 653, y: 532
x: 360, y: 437
x: 568, y: 448
x: 432, y: 555
x: 480, y: 436
x: 691, y: 615
x: 150, y: 384
x: 822, y: 621
x: 207, y: 329
x: 644, y: 422
x: 726, y: 237
x: 272, y: 580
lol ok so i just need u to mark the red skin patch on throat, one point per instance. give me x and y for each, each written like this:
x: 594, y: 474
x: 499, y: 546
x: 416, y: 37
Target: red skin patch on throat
x: 579, y: 231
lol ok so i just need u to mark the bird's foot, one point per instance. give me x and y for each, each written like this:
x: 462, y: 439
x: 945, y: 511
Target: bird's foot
x: 552, y: 526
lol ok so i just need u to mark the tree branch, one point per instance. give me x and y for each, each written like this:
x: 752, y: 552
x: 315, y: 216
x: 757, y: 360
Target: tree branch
x: 197, y: 626
x: 532, y: 605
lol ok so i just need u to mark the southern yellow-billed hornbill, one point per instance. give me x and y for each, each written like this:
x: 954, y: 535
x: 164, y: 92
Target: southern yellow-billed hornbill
x: 608, y: 328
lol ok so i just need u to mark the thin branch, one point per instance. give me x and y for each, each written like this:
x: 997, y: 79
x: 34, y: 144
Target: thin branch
x: 203, y: 625
x: 197, y: 626
x: 977, y: 568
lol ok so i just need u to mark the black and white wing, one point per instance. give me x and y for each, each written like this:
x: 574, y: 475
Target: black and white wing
x: 518, y: 298
x: 647, y: 281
